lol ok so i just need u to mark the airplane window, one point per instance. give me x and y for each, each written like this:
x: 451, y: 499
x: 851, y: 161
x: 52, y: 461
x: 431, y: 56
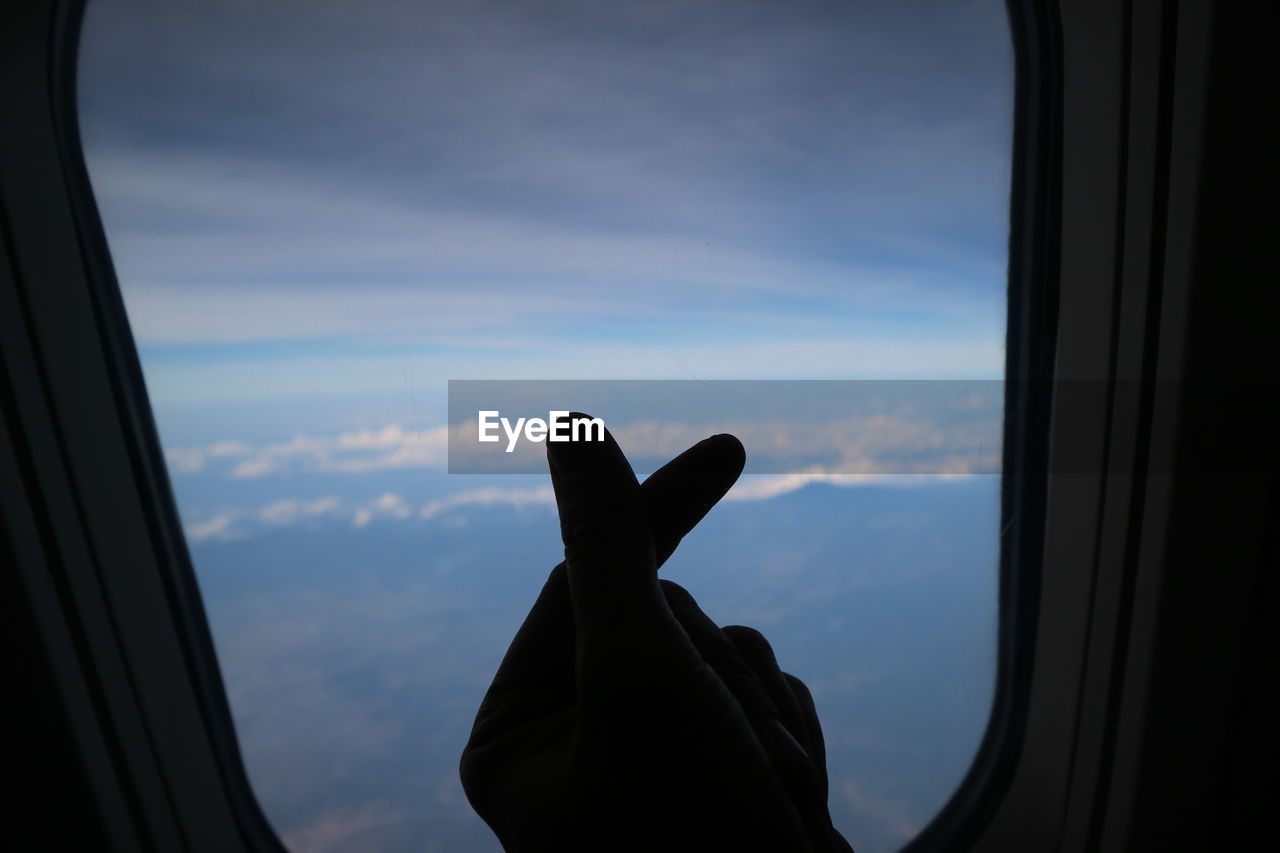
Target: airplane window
x: 321, y: 212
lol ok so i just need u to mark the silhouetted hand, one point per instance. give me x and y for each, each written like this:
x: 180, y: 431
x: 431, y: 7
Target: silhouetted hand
x: 622, y: 717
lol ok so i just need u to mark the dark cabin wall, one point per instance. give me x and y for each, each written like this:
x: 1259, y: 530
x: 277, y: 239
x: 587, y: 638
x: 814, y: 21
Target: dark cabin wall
x: 45, y: 801
x: 1208, y: 773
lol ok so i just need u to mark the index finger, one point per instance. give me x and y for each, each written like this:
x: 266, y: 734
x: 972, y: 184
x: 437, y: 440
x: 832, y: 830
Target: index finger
x: 609, y: 550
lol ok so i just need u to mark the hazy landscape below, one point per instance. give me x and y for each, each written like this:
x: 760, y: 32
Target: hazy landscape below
x: 355, y: 657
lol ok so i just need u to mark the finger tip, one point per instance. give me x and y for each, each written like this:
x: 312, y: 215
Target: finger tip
x: 730, y: 450
x: 561, y: 452
x: 592, y: 448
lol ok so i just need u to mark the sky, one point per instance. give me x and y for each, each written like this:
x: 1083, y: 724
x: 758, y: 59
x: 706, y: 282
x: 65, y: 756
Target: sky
x: 306, y: 198
x: 320, y: 213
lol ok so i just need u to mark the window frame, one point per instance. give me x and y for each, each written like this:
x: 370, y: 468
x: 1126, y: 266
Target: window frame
x: 86, y: 496
x: 1131, y: 78
x: 1102, y: 213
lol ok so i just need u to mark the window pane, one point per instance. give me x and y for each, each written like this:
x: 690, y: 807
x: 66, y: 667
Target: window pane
x: 320, y: 212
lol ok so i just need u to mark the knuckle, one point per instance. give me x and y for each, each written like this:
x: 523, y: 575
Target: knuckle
x: 749, y: 636
x: 798, y: 687
x: 673, y: 589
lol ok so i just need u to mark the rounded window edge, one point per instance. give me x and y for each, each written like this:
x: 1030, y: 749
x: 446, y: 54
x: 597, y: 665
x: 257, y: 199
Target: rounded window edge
x: 1031, y: 336
x: 138, y: 428
x: 1035, y: 34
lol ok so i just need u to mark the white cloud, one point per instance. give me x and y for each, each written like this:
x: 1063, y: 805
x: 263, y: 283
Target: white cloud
x: 880, y: 444
x: 427, y: 449
x: 386, y: 505
x: 289, y: 511
x: 220, y: 449
x: 541, y: 495
x: 391, y: 447
x: 259, y: 467
x: 393, y: 505
x: 269, y: 459
x: 235, y: 523
x: 217, y: 527
x: 759, y: 487
x: 185, y: 460
x: 389, y: 436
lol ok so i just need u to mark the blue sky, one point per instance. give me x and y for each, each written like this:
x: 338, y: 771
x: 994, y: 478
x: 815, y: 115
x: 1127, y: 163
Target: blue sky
x: 320, y: 212
x: 306, y: 199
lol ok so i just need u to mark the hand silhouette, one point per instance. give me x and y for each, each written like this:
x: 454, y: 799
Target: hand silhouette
x: 622, y: 717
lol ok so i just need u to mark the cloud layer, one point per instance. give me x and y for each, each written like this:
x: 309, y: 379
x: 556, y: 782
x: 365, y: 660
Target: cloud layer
x: 545, y: 188
x: 230, y: 523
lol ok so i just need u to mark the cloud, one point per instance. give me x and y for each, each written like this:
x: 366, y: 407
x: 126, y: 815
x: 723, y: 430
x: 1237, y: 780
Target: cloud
x: 917, y: 437
x: 929, y: 440
x: 541, y: 495
x: 219, y: 526
x: 437, y: 175
x: 289, y: 511
x: 239, y: 522
x: 895, y: 817
x: 817, y: 353
x: 390, y: 436
x: 759, y: 487
x: 877, y: 444
x: 260, y: 467
x: 388, y: 505
x: 427, y: 449
x: 341, y: 828
x: 391, y: 447
x: 185, y: 460
x: 222, y: 449
x: 388, y: 268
